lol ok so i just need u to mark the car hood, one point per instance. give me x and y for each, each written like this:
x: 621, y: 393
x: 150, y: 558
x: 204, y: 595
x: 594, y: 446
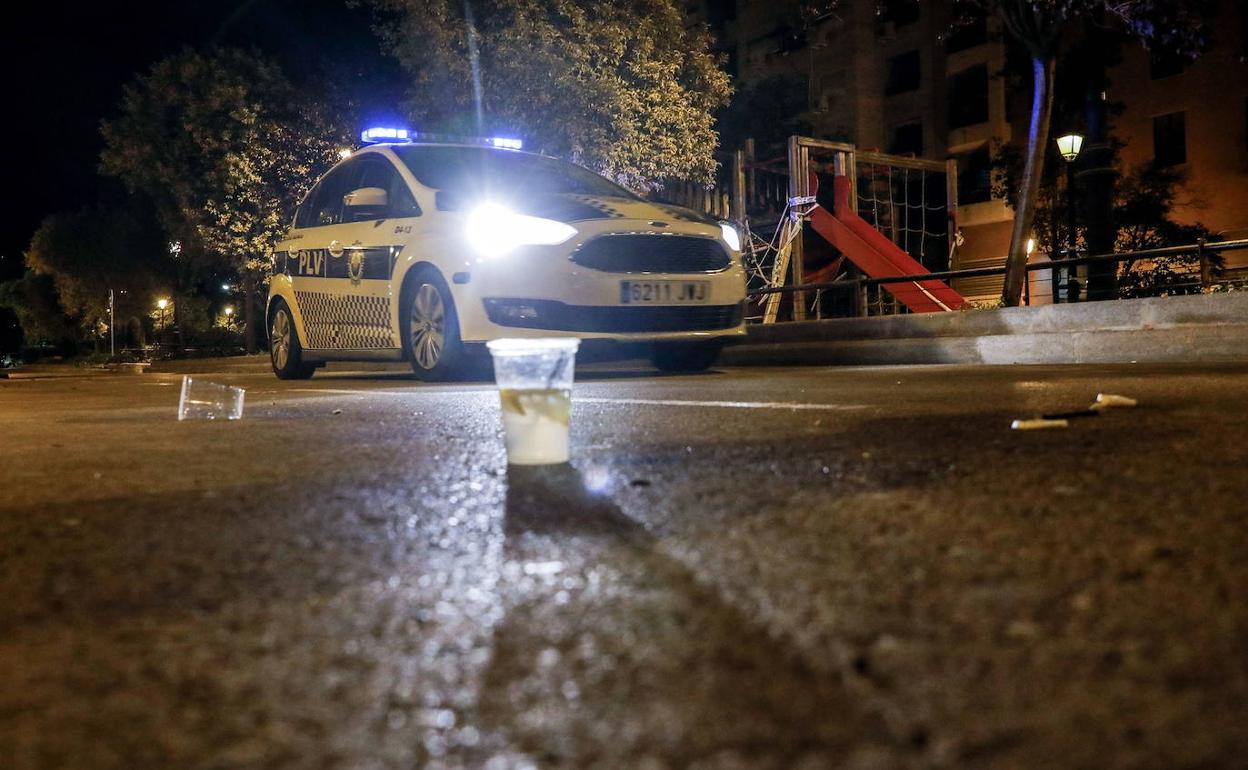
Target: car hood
x: 580, y: 208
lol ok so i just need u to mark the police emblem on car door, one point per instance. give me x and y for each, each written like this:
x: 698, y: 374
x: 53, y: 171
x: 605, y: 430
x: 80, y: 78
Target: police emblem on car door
x: 341, y: 274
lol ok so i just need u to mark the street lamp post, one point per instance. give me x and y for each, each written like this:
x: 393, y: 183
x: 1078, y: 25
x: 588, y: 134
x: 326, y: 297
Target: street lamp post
x: 1069, y: 146
x: 161, y: 304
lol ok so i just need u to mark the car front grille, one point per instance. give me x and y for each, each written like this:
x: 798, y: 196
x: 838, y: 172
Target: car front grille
x: 557, y: 316
x: 652, y: 253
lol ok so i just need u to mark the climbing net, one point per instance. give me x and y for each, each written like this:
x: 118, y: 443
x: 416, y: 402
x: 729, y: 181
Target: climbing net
x: 910, y: 206
x: 766, y: 259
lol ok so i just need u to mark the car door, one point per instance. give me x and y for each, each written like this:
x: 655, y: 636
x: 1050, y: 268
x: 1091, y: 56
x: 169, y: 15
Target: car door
x: 318, y: 290
x: 373, y: 233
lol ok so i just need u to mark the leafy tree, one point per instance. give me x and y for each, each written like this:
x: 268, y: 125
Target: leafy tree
x: 225, y: 147
x: 89, y: 252
x: 620, y: 86
x: 1144, y: 205
x: 32, y: 298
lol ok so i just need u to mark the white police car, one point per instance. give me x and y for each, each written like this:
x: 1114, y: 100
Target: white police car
x: 413, y: 251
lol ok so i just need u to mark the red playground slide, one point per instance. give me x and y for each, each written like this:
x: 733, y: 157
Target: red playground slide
x: 879, y: 257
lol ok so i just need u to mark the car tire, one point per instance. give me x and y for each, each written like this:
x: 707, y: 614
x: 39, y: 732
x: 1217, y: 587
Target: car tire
x: 430, y: 327
x: 285, y: 352
x: 685, y: 356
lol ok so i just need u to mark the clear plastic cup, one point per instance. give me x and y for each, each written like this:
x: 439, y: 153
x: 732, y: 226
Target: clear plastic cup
x: 202, y: 400
x: 535, y: 394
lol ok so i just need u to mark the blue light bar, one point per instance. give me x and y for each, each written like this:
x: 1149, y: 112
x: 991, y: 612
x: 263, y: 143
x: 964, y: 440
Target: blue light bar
x: 379, y: 134
x: 384, y: 134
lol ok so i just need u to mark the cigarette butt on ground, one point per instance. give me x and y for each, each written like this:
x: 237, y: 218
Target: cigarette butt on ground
x: 1038, y: 423
x: 1110, y: 401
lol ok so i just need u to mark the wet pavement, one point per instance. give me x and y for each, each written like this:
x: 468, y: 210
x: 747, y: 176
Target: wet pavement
x: 796, y: 568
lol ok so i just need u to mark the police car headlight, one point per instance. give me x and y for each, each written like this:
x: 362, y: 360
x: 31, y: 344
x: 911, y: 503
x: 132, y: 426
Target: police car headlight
x: 730, y: 235
x: 495, y: 230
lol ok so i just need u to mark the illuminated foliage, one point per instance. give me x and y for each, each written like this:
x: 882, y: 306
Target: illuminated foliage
x: 618, y: 86
x: 224, y: 146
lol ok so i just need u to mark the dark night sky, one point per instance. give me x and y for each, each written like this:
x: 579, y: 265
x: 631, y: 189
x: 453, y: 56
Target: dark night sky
x: 66, y: 64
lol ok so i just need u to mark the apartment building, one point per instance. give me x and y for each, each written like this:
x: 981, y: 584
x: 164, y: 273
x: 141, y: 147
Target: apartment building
x: 904, y: 83
x: 1193, y: 115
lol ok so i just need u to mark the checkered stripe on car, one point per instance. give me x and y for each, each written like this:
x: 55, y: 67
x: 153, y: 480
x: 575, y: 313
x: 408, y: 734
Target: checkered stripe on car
x: 351, y: 322
x: 606, y: 209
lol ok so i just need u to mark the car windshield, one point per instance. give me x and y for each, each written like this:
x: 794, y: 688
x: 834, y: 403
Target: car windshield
x: 484, y: 171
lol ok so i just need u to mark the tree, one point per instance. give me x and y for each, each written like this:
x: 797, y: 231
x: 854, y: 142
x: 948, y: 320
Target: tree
x: 90, y: 252
x: 32, y: 298
x: 225, y: 147
x: 620, y: 86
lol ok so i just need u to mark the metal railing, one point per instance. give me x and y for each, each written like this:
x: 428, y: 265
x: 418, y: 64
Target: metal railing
x: 861, y: 287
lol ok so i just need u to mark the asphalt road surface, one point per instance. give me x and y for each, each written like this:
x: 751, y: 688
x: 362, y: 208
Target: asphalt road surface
x: 816, y: 568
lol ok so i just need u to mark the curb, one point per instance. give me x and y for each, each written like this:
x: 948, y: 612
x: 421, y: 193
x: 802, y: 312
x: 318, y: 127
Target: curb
x: 1194, y: 329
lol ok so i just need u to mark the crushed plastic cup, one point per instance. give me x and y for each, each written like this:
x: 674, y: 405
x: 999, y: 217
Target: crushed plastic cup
x: 203, y: 400
x: 534, y: 379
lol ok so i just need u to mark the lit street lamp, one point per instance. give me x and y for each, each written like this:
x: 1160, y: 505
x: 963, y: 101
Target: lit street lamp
x: 161, y: 304
x: 1069, y: 146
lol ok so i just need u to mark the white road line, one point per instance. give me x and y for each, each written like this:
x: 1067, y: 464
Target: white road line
x: 722, y: 404
x: 366, y: 392
x: 783, y: 405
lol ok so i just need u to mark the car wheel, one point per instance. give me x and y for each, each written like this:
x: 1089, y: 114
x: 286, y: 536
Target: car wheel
x: 685, y: 356
x: 285, y: 352
x: 431, y: 331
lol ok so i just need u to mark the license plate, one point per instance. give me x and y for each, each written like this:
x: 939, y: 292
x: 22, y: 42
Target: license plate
x: 664, y: 292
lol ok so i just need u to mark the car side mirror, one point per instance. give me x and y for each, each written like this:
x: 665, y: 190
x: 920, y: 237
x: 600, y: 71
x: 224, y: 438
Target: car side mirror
x: 367, y: 197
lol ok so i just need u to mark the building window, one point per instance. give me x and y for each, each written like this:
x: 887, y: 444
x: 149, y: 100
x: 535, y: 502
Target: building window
x: 967, y: 33
x: 900, y: 12
x: 968, y: 97
x: 975, y: 176
x: 1170, y: 139
x: 1164, y: 64
x: 908, y: 139
x: 903, y: 73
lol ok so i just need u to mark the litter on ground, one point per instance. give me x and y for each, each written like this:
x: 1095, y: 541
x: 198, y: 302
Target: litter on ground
x: 1061, y: 419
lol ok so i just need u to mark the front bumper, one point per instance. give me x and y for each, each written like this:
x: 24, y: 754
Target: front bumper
x: 551, y: 315
x: 575, y: 289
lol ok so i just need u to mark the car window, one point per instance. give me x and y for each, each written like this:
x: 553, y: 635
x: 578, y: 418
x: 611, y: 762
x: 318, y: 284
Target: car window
x: 303, y: 214
x: 402, y: 202
x: 324, y: 205
x: 484, y: 171
x: 377, y: 171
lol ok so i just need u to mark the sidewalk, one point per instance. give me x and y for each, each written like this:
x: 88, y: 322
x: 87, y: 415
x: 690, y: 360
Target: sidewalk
x: 50, y: 371
x: 1196, y: 329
